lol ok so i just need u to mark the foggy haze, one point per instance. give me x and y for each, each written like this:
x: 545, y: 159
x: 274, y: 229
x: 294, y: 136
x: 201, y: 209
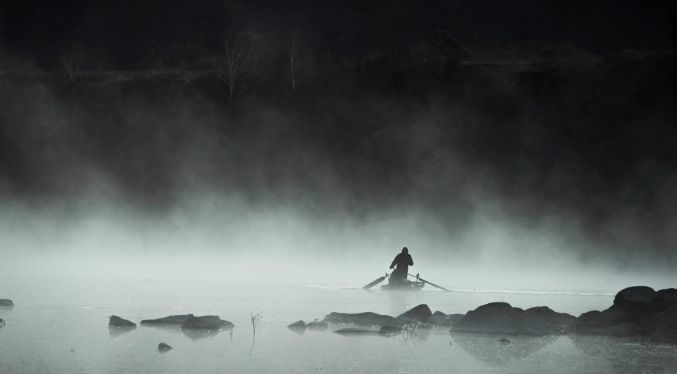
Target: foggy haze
x: 176, y: 187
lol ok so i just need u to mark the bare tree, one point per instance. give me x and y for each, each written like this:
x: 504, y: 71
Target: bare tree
x: 233, y: 65
x: 72, y: 58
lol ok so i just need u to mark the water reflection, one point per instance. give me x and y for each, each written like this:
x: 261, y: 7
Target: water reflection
x: 400, y: 300
x: 194, y: 334
x: 498, y: 350
x: 197, y: 334
x: 629, y: 355
x: 115, y: 331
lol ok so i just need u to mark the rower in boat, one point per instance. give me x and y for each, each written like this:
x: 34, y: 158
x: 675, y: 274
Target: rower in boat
x: 403, y: 260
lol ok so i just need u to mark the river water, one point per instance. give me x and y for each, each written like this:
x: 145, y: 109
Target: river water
x: 60, y: 326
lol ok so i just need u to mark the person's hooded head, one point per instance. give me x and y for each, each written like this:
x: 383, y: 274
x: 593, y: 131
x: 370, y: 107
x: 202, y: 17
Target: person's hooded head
x: 405, y: 250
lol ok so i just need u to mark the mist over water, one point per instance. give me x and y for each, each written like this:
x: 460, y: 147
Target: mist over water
x: 176, y: 187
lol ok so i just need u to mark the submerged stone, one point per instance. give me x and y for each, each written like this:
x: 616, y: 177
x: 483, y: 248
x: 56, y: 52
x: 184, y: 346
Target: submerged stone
x: 364, y: 319
x: 298, y: 326
x: 6, y: 303
x: 164, y: 347
x: 317, y: 325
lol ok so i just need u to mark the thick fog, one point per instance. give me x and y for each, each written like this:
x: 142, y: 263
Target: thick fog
x: 126, y: 184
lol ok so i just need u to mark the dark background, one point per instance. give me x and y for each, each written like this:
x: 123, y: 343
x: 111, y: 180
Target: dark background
x: 559, y: 109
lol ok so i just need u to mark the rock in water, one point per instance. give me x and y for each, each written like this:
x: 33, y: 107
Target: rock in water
x: 636, y: 311
x: 116, y: 321
x: 164, y: 347
x: 298, y: 326
x: 362, y: 319
x: 419, y: 313
x: 669, y: 295
x: 560, y: 322
x: 441, y: 319
x: 639, y: 301
x: 169, y: 320
x: 206, y: 323
x: 6, y: 303
x: 317, y: 325
x: 2, y: 322
x: 501, y: 318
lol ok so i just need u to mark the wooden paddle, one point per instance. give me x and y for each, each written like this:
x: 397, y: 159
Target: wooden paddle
x: 430, y: 283
x: 375, y: 282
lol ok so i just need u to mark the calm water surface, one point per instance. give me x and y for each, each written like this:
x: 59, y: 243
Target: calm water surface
x: 61, y: 327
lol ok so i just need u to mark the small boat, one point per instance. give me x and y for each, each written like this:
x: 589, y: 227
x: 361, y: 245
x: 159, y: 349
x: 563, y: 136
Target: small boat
x: 402, y: 284
x: 405, y: 285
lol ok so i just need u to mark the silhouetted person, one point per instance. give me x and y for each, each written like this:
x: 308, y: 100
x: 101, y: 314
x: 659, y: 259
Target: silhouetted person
x: 402, y: 261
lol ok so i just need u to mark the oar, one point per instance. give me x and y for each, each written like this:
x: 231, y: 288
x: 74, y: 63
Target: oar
x: 375, y: 282
x: 430, y: 283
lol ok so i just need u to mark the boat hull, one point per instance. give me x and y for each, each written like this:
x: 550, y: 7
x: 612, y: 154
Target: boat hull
x: 403, y: 286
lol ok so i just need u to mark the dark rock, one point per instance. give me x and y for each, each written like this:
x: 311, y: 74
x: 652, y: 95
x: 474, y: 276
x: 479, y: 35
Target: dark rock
x: 419, y: 313
x: 317, y: 325
x: 206, y: 323
x: 116, y: 321
x: 2, y: 322
x: 362, y: 319
x: 501, y: 318
x: 504, y: 341
x: 595, y: 322
x: 298, y: 326
x: 636, y: 312
x: 441, y: 319
x: 169, y: 320
x: 164, y: 347
x: 6, y: 303
x: 639, y: 302
x: 669, y: 296
x: 664, y: 326
x: 561, y: 322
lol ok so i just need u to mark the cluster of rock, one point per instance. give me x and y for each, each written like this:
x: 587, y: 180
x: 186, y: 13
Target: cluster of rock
x: 371, y: 323
x: 636, y: 312
x: 193, y: 326
x: 502, y: 318
x: 185, y: 322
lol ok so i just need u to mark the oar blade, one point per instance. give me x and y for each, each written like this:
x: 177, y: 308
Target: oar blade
x: 375, y: 282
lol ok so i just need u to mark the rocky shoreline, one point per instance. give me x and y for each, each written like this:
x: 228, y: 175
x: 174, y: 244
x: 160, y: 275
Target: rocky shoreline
x: 637, y: 312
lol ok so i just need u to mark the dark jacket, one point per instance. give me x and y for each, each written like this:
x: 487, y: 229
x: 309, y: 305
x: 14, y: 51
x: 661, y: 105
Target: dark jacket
x: 403, y: 261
